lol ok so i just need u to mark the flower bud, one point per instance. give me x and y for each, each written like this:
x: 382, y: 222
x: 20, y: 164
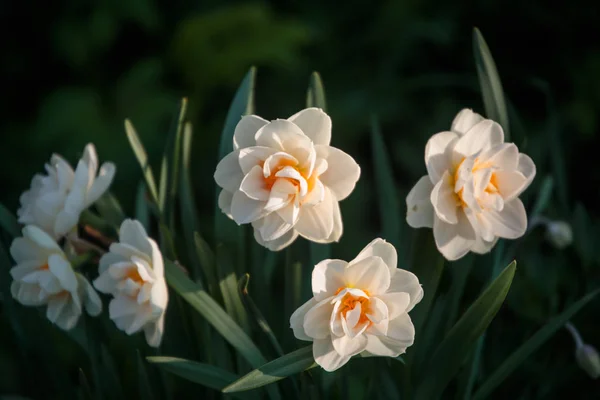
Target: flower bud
x: 559, y: 233
x: 589, y: 360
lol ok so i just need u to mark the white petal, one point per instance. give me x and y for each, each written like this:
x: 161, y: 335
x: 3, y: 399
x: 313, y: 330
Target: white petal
x: 225, y: 199
x: 142, y: 317
x: 380, y: 248
x: 327, y: 278
x: 465, y: 120
x: 293, y: 174
x: 277, y: 161
x: 273, y: 227
x: 122, y: 306
x: 352, y: 316
x: 401, y: 329
x: 245, y: 209
x: 316, y: 320
x: 338, y: 227
x: 25, y: 268
x: 55, y: 307
x: 384, y: 346
x: 297, y: 320
x: 23, y: 249
x: 483, y: 247
x: 104, y: 283
x: 90, y: 157
x: 315, y: 124
x: 396, y: 303
x: 453, y: 241
x: 280, y: 196
x: 91, y: 300
x: 370, y: 274
x: 127, y: 251
x: 379, y: 311
x: 316, y: 194
x: 482, y: 136
x: 41, y: 238
x: 254, y: 186
x: 437, y: 154
x: 326, y: 356
x: 419, y: 211
x: 527, y: 168
x: 228, y: 174
x: 252, y: 156
x: 277, y: 244
x: 246, y: 129
x: 65, y: 221
x: 281, y: 134
x: 289, y: 213
x: 342, y: 171
x: 406, y: 282
x: 510, y: 184
x: 63, y: 271
x: 349, y: 347
x: 316, y: 223
x: 159, y: 297
x: 503, y: 156
x: 444, y: 200
x: 157, y: 260
x: 511, y: 222
x: 132, y: 233
x: 101, y: 183
x: 153, y: 331
x: 68, y: 317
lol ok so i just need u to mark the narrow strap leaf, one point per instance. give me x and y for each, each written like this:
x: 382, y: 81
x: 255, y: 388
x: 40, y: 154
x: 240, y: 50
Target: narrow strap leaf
x: 142, y: 157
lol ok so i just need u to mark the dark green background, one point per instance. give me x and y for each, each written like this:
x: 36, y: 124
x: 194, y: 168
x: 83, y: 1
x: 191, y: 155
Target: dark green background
x: 72, y: 71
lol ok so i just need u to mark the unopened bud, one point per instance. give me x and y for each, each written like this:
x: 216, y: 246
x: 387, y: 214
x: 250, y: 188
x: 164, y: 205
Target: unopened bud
x: 589, y: 360
x: 559, y: 233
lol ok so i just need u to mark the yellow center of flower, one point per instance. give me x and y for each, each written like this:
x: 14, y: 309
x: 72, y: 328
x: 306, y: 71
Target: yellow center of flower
x: 350, y: 301
x: 491, y: 188
x: 134, y: 275
x: 284, y: 162
x: 45, y: 267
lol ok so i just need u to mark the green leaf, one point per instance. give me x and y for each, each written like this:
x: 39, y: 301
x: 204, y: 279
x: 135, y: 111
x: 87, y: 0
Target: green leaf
x: 142, y: 157
x: 214, y: 314
x: 110, y: 375
x: 9, y: 222
x: 110, y: 209
x: 292, y: 363
x: 530, y: 346
x: 315, y: 96
x: 85, y: 386
x: 142, y: 212
x: 204, y: 374
x: 489, y: 80
x: 169, y: 177
x: 144, y: 384
x: 255, y: 312
x: 229, y: 288
x: 544, y: 196
x: 389, y: 206
x: 453, y: 350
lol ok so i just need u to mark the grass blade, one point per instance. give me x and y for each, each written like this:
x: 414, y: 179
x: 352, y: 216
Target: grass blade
x: 142, y: 211
x: 526, y: 349
x: 144, y: 384
x: 142, y: 157
x: 292, y: 363
x: 489, y: 80
x: 110, y: 209
x: 204, y: 374
x: 389, y: 206
x: 9, y: 222
x: 453, y: 350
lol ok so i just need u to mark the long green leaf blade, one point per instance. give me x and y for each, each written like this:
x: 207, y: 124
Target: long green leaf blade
x: 142, y: 157
x: 529, y: 347
x: 292, y: 363
x: 453, y: 350
x: 489, y: 80
x: 204, y: 374
x: 9, y: 222
x: 389, y: 206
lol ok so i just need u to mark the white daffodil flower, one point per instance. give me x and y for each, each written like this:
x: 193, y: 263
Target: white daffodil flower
x: 133, y: 273
x: 360, y: 307
x: 55, y: 201
x: 470, y: 195
x: 44, y: 276
x: 285, y: 179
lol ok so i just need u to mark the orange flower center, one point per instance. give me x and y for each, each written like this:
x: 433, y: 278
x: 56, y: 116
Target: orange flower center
x: 350, y: 301
x: 134, y: 275
x: 284, y: 162
x: 491, y: 188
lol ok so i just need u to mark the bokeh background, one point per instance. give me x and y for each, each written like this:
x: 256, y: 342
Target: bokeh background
x: 72, y: 71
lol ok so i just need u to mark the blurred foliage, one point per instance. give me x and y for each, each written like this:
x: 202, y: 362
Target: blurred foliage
x: 73, y: 71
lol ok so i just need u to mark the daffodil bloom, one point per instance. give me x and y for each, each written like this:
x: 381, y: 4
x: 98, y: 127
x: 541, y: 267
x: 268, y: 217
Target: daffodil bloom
x: 55, y: 200
x: 470, y: 194
x: 360, y: 307
x: 44, y: 276
x: 133, y: 273
x: 285, y: 179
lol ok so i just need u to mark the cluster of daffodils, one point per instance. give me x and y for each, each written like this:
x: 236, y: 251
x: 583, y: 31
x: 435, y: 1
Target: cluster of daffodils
x: 131, y: 272
x: 470, y: 193
x: 285, y: 179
